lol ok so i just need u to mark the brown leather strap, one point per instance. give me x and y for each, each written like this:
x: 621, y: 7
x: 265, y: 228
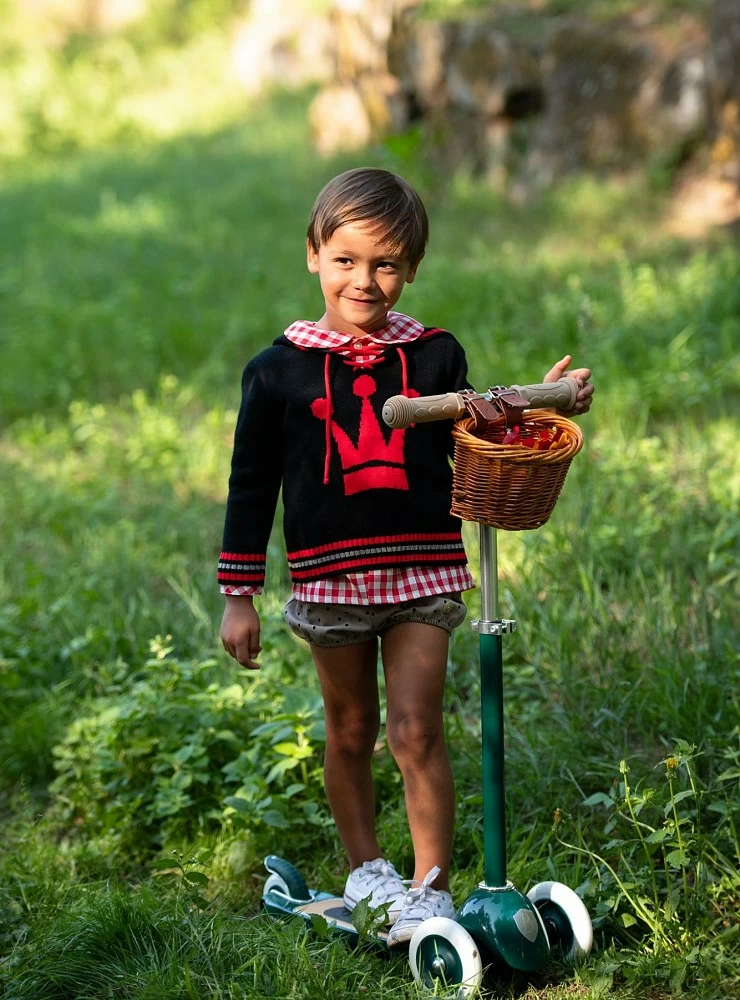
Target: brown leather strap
x: 504, y: 402
x: 483, y: 412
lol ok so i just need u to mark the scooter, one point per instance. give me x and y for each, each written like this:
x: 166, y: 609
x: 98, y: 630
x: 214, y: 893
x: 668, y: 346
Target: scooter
x: 497, y: 922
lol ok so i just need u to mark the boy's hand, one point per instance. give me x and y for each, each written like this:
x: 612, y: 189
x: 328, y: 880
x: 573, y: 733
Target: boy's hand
x: 240, y: 631
x: 581, y: 375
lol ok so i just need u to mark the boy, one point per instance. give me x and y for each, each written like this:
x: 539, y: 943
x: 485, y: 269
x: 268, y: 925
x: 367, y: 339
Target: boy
x: 373, y: 551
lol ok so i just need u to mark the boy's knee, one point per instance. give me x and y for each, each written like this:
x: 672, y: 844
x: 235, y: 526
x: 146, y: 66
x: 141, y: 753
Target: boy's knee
x: 413, y: 739
x: 352, y: 734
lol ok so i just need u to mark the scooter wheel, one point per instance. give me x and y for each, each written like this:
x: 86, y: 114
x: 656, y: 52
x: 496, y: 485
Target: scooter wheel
x: 284, y: 878
x: 565, y: 918
x: 442, y: 950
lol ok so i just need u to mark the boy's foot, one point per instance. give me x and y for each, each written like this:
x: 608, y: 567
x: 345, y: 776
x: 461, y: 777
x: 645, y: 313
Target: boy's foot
x: 378, y: 882
x: 420, y: 903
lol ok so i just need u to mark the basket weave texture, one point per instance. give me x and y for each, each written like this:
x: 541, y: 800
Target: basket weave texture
x: 510, y: 486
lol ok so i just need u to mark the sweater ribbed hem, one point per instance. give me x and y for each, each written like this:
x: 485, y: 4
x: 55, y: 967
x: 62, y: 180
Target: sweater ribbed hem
x: 379, y: 552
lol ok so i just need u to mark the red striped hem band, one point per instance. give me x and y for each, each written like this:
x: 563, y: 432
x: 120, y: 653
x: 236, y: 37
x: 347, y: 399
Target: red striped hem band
x: 351, y: 543
x: 382, y: 562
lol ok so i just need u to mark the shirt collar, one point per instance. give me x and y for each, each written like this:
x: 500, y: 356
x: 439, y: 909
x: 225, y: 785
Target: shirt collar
x: 400, y: 329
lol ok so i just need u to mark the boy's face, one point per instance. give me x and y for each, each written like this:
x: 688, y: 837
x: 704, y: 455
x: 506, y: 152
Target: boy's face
x: 361, y: 280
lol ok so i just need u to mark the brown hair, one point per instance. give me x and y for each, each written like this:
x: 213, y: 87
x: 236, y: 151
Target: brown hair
x: 389, y: 207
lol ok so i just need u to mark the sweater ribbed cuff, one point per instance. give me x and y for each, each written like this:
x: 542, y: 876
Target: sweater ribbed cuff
x: 241, y: 569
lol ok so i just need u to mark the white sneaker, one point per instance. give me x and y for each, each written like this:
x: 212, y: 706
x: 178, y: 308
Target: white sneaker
x: 420, y: 903
x: 378, y: 882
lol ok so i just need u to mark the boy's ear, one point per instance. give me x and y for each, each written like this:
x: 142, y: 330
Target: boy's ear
x: 312, y: 258
x: 411, y: 274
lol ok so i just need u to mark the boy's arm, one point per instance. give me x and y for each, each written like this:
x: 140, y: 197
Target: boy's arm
x: 458, y: 375
x: 254, y: 485
x: 457, y: 379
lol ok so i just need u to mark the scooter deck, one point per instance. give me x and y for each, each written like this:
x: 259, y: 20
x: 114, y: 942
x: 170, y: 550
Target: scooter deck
x: 329, y: 908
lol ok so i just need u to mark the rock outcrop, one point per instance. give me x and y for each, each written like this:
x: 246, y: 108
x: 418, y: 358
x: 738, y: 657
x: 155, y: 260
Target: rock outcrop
x: 284, y: 43
x: 723, y: 70
x: 364, y: 101
x: 614, y: 93
x: 535, y: 98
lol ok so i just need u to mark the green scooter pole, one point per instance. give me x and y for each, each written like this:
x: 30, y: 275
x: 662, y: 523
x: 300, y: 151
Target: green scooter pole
x: 492, y: 715
x: 500, y: 918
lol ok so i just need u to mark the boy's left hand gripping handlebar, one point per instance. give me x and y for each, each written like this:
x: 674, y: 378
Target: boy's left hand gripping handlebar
x: 402, y: 411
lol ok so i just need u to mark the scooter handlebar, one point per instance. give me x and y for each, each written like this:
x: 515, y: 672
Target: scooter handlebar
x: 402, y: 411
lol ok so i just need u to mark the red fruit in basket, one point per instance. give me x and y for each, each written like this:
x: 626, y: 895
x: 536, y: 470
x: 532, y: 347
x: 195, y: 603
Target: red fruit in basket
x: 511, y: 436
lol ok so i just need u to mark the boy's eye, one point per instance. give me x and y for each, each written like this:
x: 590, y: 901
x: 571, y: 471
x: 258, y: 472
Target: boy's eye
x: 388, y: 265
x: 342, y: 260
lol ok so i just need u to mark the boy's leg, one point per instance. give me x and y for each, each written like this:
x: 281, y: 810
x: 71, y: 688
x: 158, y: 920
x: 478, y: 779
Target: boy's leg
x: 349, y: 685
x: 415, y: 665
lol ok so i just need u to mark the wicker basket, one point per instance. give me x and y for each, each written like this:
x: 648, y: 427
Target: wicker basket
x: 510, y: 486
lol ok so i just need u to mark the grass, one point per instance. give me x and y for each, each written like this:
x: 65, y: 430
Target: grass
x: 140, y: 267
x: 530, y: 11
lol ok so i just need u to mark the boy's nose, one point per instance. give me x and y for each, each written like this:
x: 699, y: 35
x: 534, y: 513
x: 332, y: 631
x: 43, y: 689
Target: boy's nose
x: 363, y: 279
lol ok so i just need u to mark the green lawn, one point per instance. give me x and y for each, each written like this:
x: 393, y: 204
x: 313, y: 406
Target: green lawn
x: 147, y: 249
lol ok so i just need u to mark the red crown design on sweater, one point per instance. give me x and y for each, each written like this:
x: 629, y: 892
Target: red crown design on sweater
x: 373, y: 463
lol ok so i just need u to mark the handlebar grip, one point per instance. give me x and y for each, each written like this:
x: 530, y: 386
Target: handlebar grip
x: 560, y: 394
x: 402, y: 411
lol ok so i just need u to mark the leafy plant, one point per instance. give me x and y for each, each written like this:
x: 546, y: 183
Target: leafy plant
x: 158, y: 757
x: 186, y: 873
x: 670, y: 863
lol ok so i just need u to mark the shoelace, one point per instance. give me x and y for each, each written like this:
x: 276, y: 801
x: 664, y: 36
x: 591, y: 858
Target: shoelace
x: 417, y: 895
x: 377, y: 872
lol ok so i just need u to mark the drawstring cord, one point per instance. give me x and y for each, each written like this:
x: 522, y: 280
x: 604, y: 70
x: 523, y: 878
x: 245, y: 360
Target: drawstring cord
x: 327, y: 423
x: 404, y: 373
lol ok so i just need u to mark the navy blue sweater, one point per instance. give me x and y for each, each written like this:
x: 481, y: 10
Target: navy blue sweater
x: 357, y: 495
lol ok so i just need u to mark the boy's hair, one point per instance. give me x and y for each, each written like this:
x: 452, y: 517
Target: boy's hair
x: 384, y: 202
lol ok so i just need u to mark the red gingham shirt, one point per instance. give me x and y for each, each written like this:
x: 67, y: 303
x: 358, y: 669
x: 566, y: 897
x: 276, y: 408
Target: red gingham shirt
x: 380, y: 586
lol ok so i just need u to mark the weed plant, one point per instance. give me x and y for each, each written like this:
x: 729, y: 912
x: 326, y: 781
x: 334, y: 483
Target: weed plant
x: 139, y: 269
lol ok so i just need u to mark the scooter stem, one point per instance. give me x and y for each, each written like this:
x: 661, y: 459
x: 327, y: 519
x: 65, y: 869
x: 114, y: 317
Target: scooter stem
x: 488, y: 574
x: 489, y: 630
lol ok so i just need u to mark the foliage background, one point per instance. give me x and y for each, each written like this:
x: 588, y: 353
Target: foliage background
x: 151, y: 232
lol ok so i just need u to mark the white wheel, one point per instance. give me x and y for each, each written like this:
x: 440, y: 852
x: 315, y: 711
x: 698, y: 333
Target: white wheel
x: 565, y: 918
x: 285, y: 879
x: 276, y: 884
x: 441, y: 949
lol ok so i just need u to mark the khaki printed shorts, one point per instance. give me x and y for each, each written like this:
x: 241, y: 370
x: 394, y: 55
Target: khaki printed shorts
x: 348, y: 624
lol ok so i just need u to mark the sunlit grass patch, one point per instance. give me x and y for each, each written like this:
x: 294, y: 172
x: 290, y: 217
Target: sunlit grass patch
x: 54, y: 103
